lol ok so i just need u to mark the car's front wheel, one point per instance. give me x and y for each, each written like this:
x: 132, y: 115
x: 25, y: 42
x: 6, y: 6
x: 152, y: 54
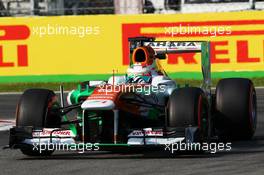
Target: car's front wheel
x: 37, y: 108
x: 189, y: 107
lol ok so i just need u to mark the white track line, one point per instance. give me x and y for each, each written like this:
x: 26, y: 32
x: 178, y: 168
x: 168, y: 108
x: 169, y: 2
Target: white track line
x: 6, y: 128
x: 6, y: 124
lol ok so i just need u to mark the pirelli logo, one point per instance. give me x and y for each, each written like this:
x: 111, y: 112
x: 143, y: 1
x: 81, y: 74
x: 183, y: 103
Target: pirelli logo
x: 11, y: 34
x: 239, y: 41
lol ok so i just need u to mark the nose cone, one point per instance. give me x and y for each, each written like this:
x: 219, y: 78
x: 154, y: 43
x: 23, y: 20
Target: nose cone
x: 98, y: 105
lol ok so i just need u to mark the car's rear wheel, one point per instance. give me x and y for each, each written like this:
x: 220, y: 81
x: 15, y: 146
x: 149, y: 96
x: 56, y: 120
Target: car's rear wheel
x: 236, y: 108
x: 37, y: 108
x: 189, y: 107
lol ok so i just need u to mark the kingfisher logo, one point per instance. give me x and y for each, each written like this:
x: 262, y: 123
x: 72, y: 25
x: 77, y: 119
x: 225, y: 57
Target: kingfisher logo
x: 234, y: 46
x: 11, y: 33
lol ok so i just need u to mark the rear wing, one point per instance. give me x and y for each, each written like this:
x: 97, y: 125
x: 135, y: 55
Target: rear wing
x: 173, y: 47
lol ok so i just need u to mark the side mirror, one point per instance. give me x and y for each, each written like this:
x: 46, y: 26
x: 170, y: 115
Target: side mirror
x: 161, y: 56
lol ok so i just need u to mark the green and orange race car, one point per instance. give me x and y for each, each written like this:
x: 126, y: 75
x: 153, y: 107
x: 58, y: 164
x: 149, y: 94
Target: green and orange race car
x: 139, y: 109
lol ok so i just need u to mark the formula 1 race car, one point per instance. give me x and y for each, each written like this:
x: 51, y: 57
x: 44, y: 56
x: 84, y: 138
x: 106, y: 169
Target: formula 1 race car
x: 140, y: 109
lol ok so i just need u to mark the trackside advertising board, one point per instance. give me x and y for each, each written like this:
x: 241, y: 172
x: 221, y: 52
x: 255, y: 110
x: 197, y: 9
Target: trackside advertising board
x: 76, y: 48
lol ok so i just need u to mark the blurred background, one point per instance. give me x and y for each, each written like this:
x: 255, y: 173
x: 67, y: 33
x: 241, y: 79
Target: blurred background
x: 91, y: 7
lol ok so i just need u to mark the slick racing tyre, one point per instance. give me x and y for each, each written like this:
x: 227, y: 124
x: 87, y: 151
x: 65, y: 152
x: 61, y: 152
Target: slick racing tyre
x: 37, y: 108
x: 188, y: 107
x: 236, y: 108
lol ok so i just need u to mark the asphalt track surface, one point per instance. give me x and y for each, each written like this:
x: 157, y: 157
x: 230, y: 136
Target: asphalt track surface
x: 246, y: 157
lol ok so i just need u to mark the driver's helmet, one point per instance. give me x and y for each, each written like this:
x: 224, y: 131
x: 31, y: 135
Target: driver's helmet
x: 143, y: 65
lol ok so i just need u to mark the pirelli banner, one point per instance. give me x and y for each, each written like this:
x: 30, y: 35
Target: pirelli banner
x: 76, y: 48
